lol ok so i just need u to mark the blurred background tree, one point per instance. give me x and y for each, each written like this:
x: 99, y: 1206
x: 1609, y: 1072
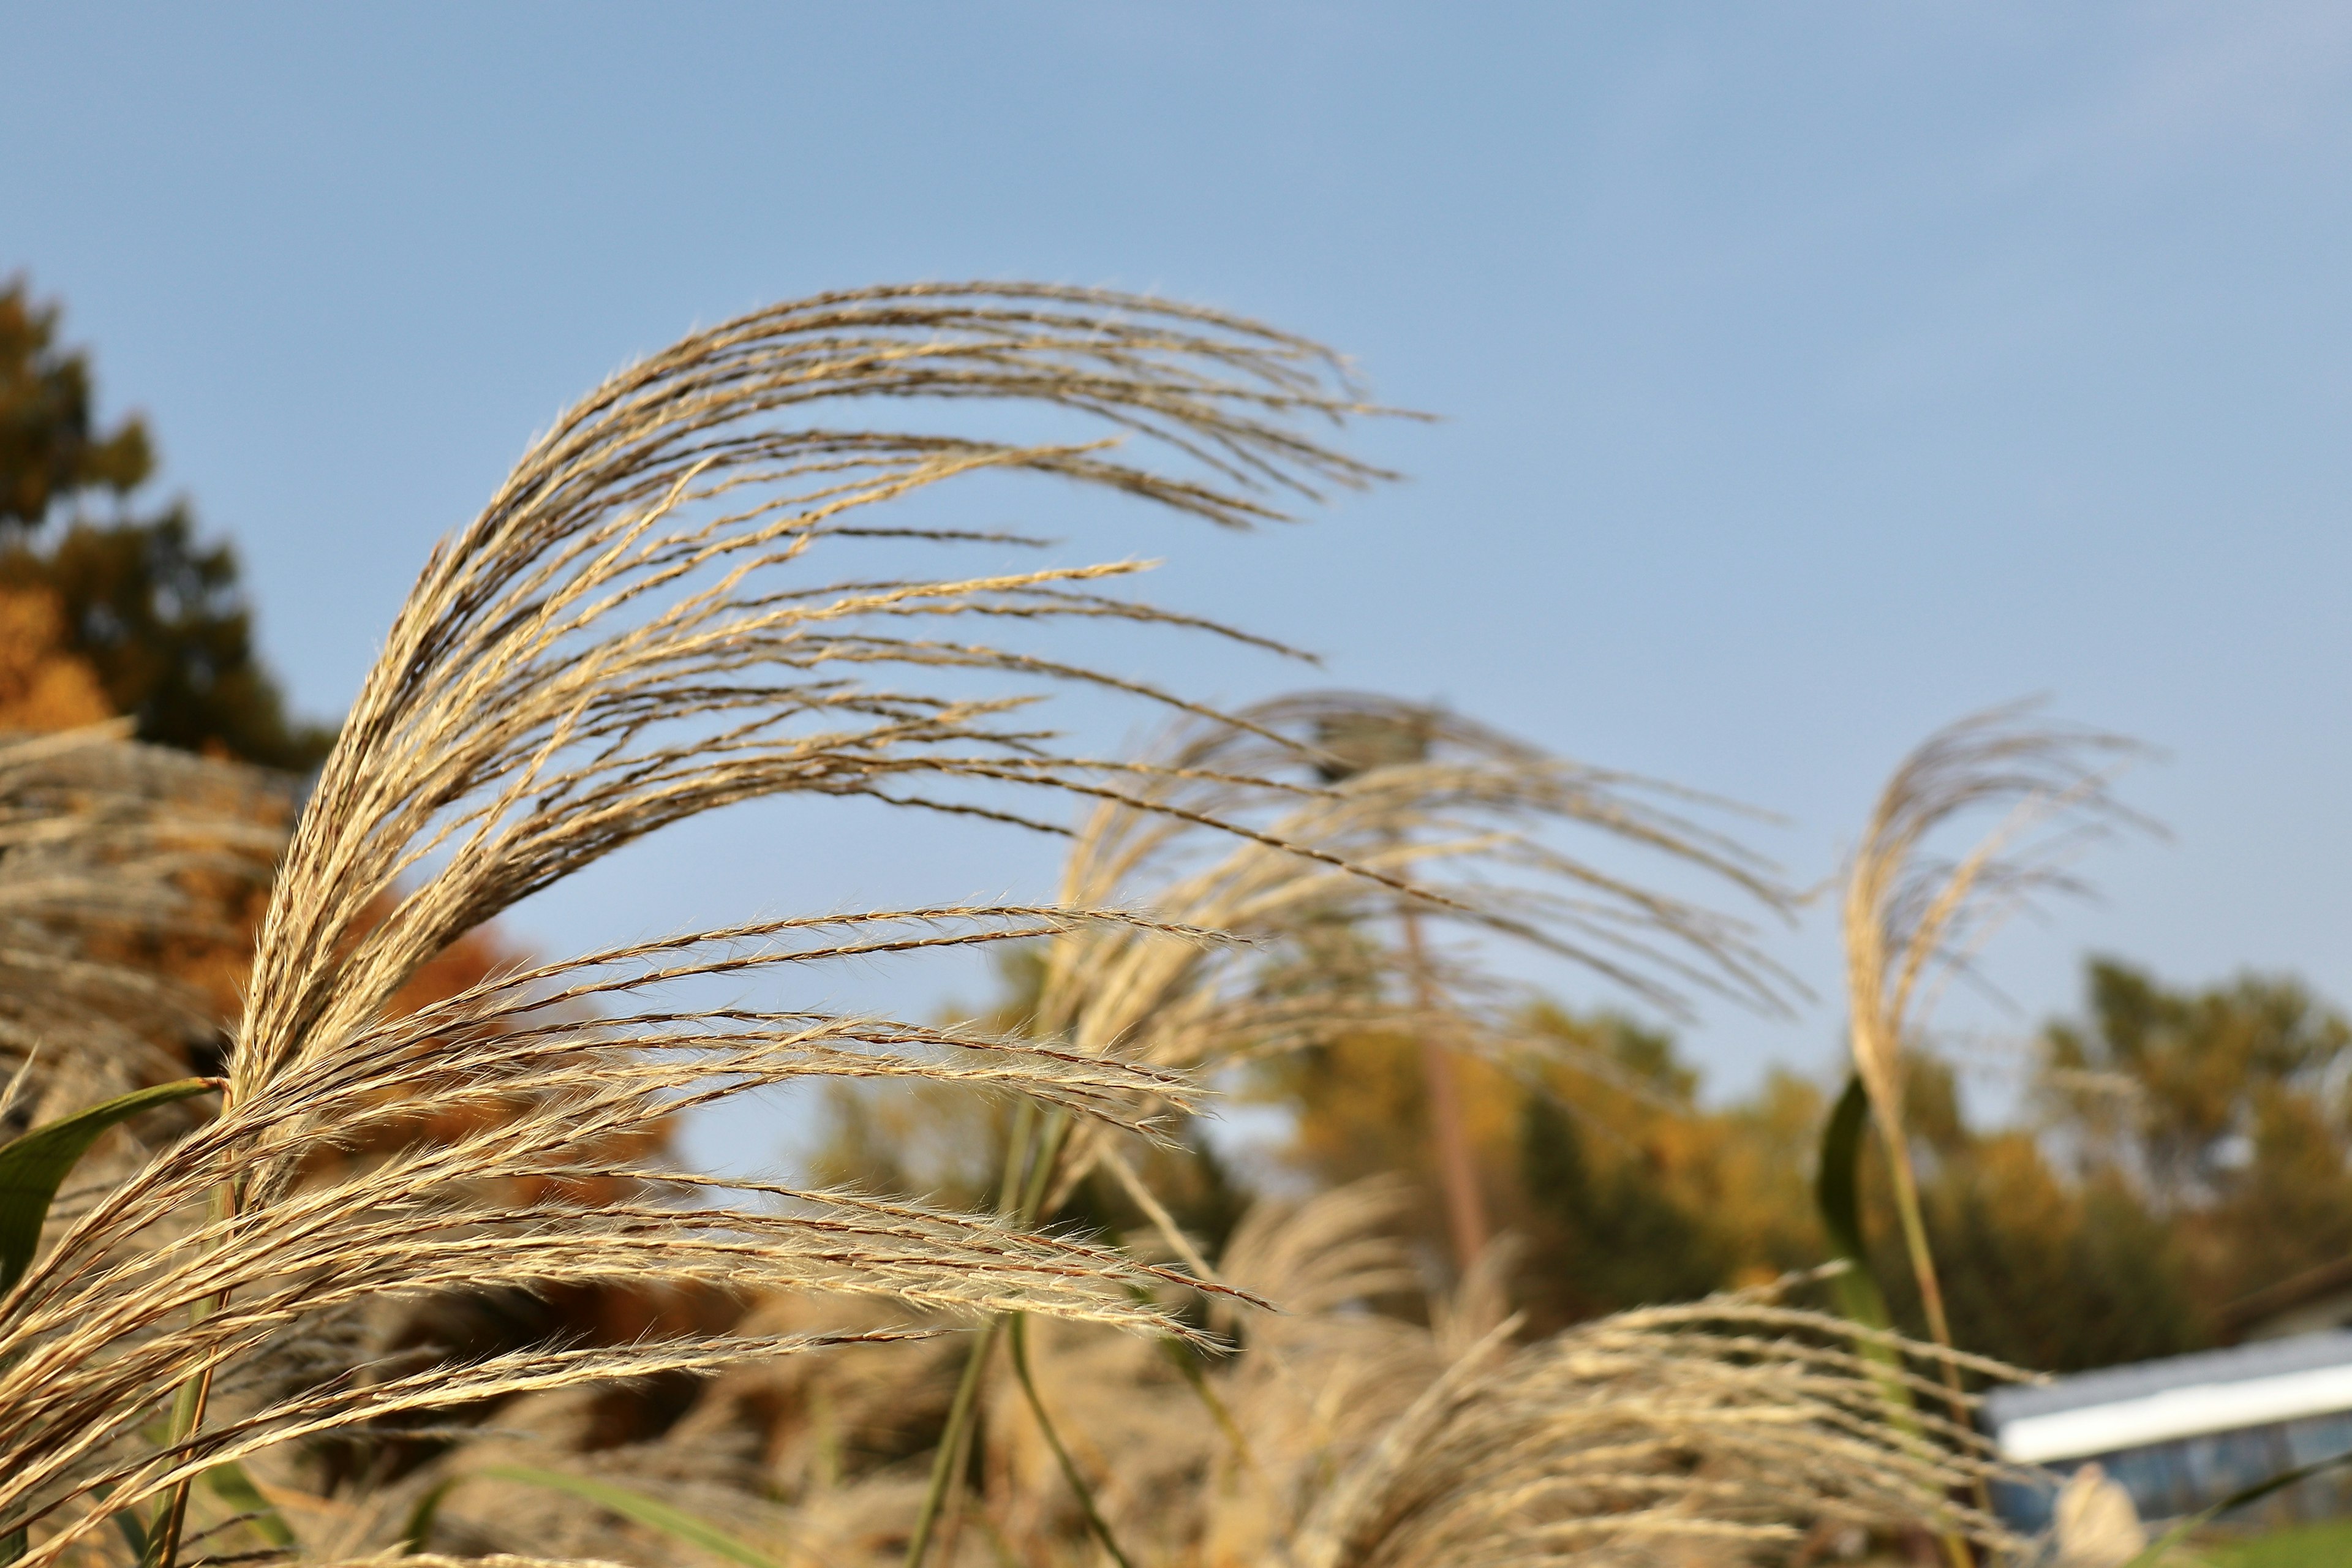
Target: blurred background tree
x: 2226, y: 1112
x: 100, y: 601
x: 2183, y: 1151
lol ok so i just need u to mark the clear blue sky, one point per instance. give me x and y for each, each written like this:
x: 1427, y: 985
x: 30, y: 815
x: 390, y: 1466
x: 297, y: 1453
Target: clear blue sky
x: 1813, y: 373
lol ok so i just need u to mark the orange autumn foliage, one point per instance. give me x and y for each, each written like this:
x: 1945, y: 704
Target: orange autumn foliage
x: 43, y: 687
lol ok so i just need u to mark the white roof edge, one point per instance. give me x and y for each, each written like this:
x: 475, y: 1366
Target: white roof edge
x: 2189, y: 1411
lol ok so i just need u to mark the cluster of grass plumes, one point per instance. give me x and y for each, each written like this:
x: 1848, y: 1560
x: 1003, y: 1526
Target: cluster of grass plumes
x: 683, y: 599
x: 639, y: 627
x: 1336, y: 1435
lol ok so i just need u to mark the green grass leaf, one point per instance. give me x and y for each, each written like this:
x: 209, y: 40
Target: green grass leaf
x: 1837, y: 1190
x: 32, y: 1167
x: 1085, y: 1493
x: 234, y: 1487
x: 2328, y: 1545
x: 2178, y: 1533
x: 418, y: 1533
x: 636, y: 1506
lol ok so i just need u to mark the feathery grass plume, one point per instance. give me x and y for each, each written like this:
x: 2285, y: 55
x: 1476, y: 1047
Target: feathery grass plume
x: 106, y: 848
x: 1717, y: 1430
x: 1911, y: 920
x: 1366, y: 810
x: 1462, y: 829
x: 637, y: 629
x: 1454, y: 815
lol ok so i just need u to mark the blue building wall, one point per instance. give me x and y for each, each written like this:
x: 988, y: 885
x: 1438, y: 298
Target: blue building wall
x: 2187, y: 1475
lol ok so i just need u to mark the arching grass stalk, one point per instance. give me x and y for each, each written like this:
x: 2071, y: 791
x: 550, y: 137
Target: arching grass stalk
x: 1033, y: 1154
x: 1911, y: 920
x: 640, y: 626
x: 1019, y: 1336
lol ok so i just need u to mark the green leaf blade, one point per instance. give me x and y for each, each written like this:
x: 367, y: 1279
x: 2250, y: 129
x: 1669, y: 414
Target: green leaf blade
x: 229, y: 1483
x: 638, y: 1508
x: 1837, y: 1192
x: 33, y: 1167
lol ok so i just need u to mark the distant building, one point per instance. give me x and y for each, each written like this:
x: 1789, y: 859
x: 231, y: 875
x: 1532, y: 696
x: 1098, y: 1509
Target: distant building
x: 2182, y: 1434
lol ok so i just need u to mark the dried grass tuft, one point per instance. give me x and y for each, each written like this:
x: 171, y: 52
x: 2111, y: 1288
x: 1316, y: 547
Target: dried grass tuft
x: 1726, y: 1431
x: 1914, y: 919
x: 1731, y: 1427
x: 107, y: 849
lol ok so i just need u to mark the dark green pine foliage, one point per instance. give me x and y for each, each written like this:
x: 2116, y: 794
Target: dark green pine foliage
x: 49, y: 450
x: 1604, y: 1235
x: 158, y: 613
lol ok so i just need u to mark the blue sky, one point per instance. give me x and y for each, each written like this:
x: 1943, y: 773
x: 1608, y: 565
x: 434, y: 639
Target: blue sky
x: 1811, y: 374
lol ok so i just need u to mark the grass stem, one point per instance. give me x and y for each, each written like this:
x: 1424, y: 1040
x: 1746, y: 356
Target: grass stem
x: 1095, y: 1520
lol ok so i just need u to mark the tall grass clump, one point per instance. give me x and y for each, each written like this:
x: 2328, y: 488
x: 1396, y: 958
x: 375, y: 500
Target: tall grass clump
x: 683, y: 598
x: 1354, y: 816
x: 640, y: 626
x: 1915, y: 915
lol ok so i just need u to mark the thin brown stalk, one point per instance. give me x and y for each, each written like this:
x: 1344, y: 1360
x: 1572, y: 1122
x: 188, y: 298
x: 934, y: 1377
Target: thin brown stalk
x: 1911, y: 920
x: 1465, y: 1206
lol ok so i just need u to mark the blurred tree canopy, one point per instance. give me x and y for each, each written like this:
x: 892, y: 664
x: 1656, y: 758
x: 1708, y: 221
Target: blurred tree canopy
x: 2184, y: 1150
x: 155, y: 618
x: 1620, y: 1189
x: 48, y: 451
x: 2228, y: 1111
x: 2181, y: 1150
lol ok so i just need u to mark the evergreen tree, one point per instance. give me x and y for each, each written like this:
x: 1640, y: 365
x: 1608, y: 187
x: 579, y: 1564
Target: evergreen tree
x: 157, y: 614
x: 2227, y: 1107
x: 48, y: 450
